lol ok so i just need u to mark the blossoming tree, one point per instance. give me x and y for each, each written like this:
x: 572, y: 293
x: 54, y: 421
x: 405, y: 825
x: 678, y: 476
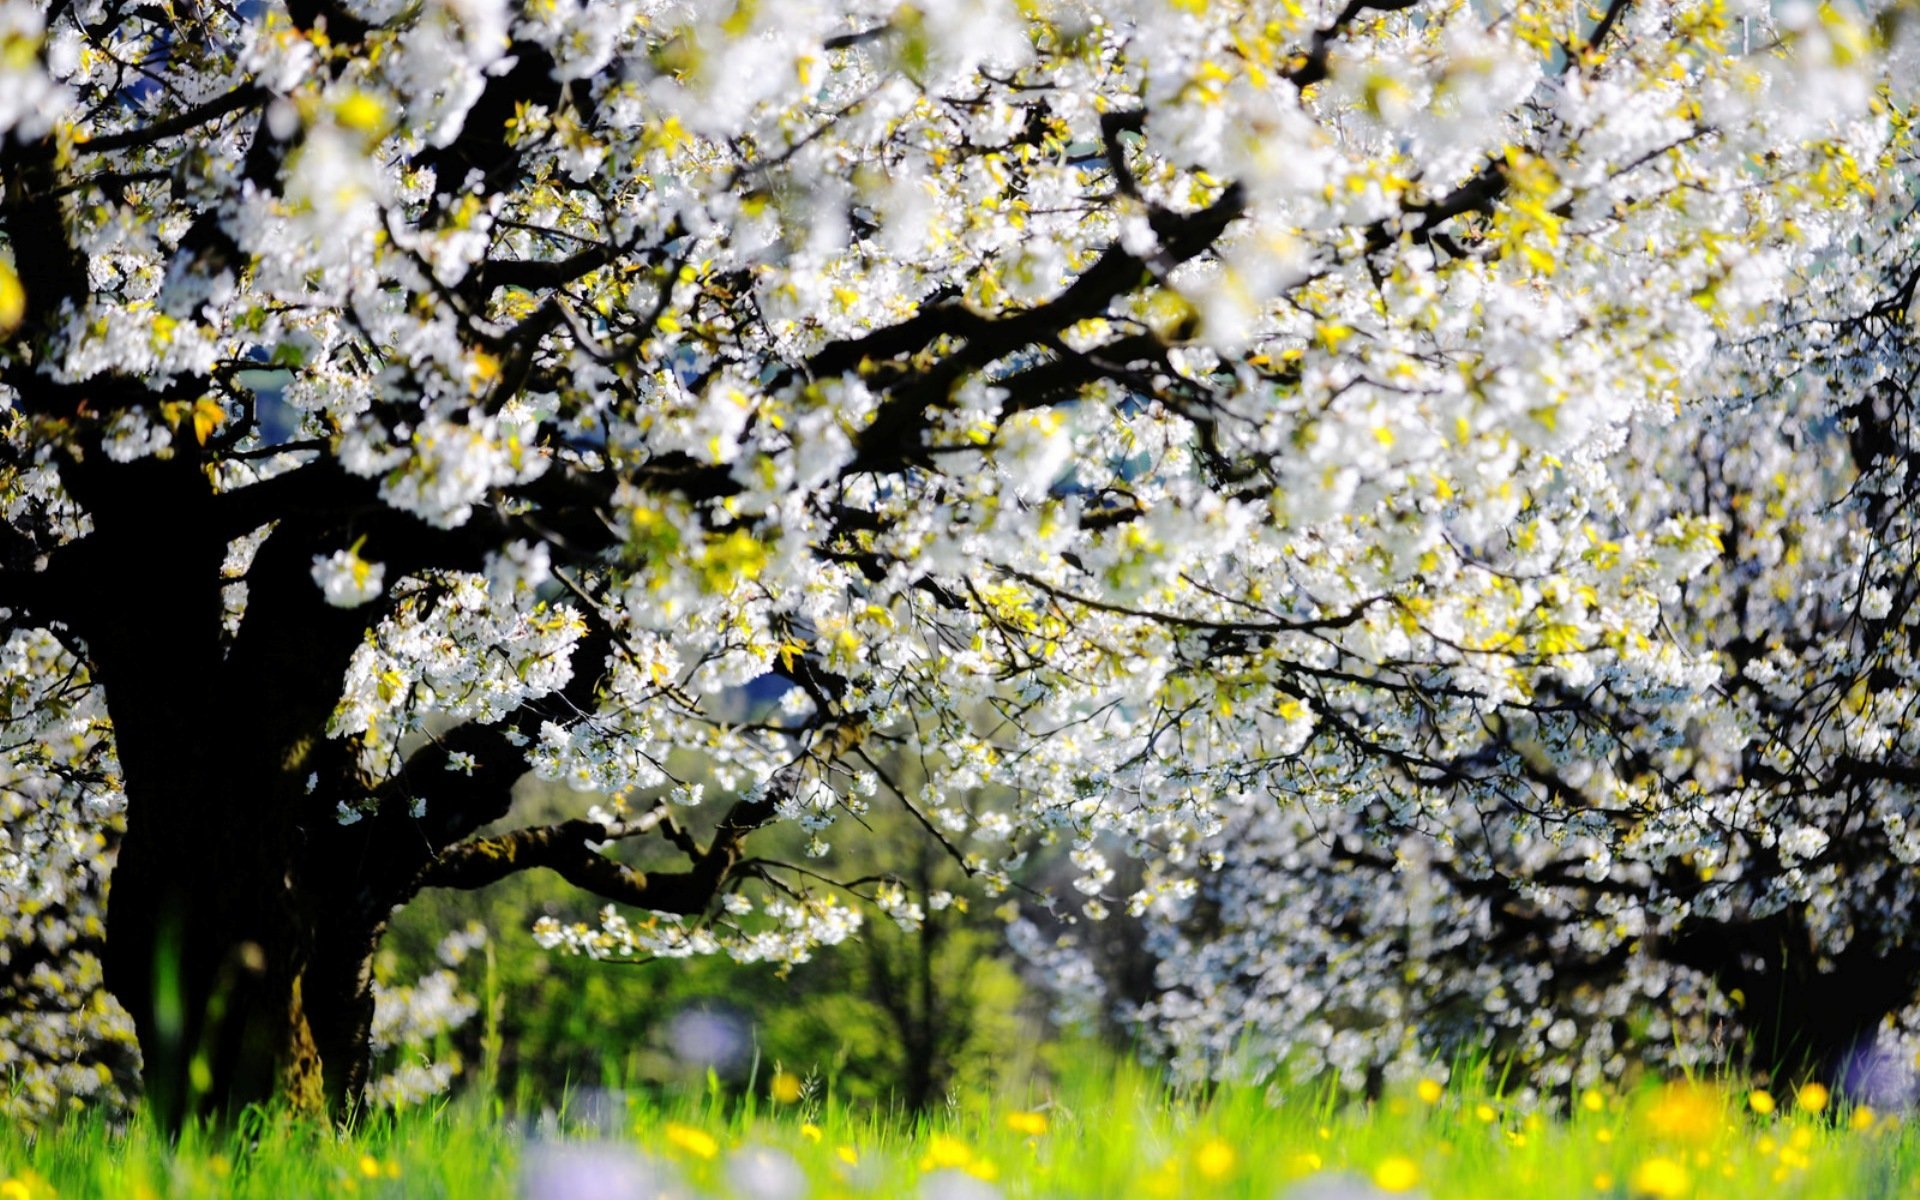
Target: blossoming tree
x: 1454, y: 452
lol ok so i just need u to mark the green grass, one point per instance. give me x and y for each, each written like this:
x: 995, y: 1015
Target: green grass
x: 1103, y: 1130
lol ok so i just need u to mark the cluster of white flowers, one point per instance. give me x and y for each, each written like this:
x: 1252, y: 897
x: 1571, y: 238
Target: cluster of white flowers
x: 63, y: 1039
x: 787, y: 932
x: 347, y: 579
x: 408, y: 1020
x: 468, y: 647
x: 31, y: 97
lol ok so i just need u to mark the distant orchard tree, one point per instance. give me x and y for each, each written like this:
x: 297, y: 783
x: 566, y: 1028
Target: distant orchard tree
x: 1457, y: 453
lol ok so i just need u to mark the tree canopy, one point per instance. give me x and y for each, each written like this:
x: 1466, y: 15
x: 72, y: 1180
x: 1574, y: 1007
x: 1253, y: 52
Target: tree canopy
x: 1428, y: 478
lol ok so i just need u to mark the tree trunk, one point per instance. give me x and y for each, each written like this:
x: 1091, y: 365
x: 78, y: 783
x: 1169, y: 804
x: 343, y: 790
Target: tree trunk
x: 247, y: 972
x: 204, y: 952
x: 1806, y: 1021
x: 221, y: 891
x: 1801, y: 1021
x: 340, y: 1006
x: 242, y: 917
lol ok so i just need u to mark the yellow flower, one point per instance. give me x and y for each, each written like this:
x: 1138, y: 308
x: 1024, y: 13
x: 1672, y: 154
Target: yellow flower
x: 847, y: 1155
x: 697, y: 1142
x: 1033, y: 1124
x: 1430, y: 1091
x: 1396, y: 1174
x: 1812, y: 1097
x: 944, y: 1151
x: 361, y: 112
x: 1592, y: 1100
x: 785, y: 1087
x: 1761, y: 1101
x: 952, y: 1153
x: 1685, y: 1111
x: 370, y: 1166
x: 13, y: 309
x: 1662, y: 1178
x: 14, y: 1189
x: 1214, y: 1159
x: 810, y: 1131
x: 1862, y: 1118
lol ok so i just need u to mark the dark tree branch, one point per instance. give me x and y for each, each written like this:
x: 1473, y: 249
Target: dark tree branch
x: 243, y: 97
x: 50, y: 269
x: 534, y: 274
x: 892, y: 439
x: 1313, y: 68
x: 846, y: 41
x: 565, y: 849
x: 1601, y: 32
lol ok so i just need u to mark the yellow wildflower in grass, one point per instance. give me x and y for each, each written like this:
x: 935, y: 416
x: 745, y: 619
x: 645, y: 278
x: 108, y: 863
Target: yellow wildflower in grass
x: 1214, y: 1159
x: 1812, y: 1097
x: 945, y: 1152
x: 1430, y: 1091
x: 1862, y: 1118
x: 785, y: 1088
x: 847, y: 1155
x: 1687, y: 1112
x: 1484, y: 1113
x: 14, y: 1189
x: 1396, y: 1174
x: 1033, y: 1124
x: 811, y: 1132
x: 1593, y: 1101
x: 697, y: 1142
x: 1306, y: 1163
x: 1662, y: 1178
x: 370, y: 1166
x: 1761, y: 1101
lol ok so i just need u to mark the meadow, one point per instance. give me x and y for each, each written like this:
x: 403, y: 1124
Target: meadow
x: 1102, y: 1128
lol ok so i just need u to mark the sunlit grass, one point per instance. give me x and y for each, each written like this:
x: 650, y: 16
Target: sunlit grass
x: 1104, y: 1129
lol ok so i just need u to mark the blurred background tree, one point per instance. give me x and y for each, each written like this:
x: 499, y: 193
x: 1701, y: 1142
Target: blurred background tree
x: 905, y: 1018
